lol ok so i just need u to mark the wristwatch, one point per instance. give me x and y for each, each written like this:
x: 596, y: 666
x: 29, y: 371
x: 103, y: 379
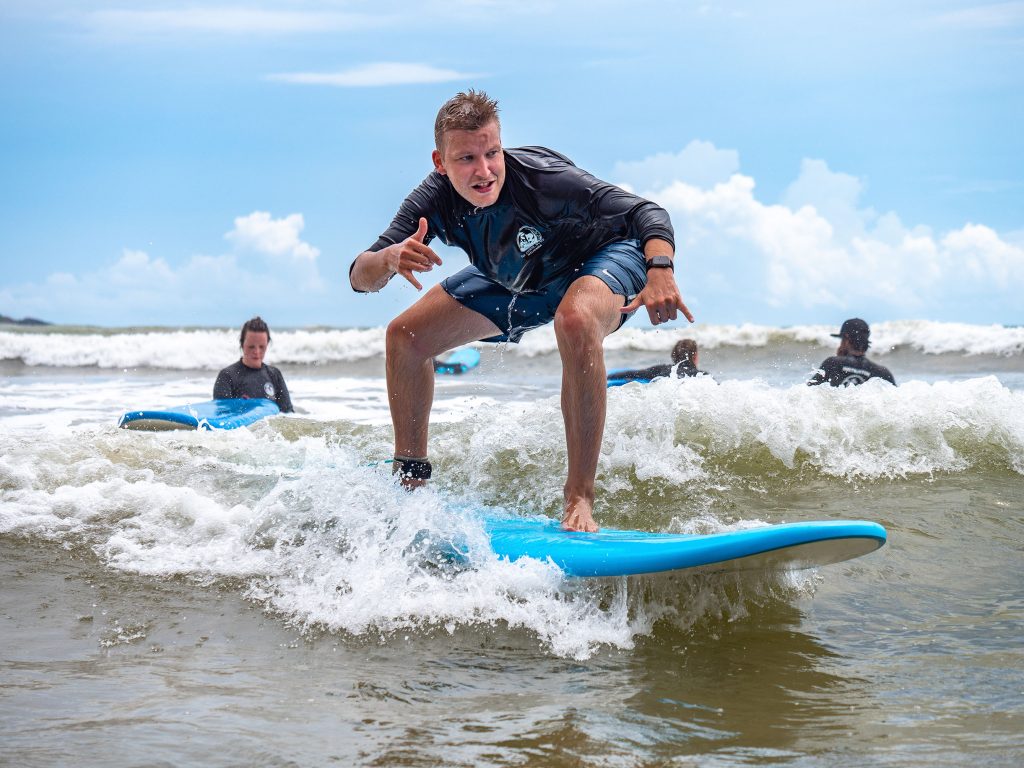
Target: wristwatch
x: 660, y: 262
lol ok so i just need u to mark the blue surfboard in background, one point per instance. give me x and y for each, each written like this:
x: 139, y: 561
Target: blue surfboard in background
x: 614, y: 381
x: 457, y: 361
x: 211, y: 414
x: 611, y: 552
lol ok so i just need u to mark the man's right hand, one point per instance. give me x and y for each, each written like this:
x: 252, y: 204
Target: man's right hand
x: 412, y: 255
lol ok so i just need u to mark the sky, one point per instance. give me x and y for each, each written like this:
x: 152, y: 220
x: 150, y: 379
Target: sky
x: 191, y: 163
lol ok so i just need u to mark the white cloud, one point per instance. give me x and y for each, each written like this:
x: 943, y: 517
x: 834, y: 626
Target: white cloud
x: 274, y: 237
x: 376, y: 74
x: 223, y: 19
x: 137, y: 267
x: 699, y: 164
x: 986, y: 256
x: 136, y: 287
x: 818, y: 252
x: 833, y: 195
x: 820, y: 249
x: 271, y: 272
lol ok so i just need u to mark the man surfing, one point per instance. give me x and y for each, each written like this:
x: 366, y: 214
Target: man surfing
x: 546, y: 242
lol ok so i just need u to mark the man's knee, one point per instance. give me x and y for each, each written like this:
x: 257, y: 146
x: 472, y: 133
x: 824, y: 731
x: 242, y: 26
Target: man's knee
x: 401, y: 337
x: 587, y: 316
x: 578, y: 325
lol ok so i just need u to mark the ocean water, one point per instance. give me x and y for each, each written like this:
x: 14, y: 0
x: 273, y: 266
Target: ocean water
x: 256, y: 597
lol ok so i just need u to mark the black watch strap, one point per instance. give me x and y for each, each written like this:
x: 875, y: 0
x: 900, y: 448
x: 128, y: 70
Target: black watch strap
x: 660, y: 262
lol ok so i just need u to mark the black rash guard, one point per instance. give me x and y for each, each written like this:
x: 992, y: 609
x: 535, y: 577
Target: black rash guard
x: 239, y: 380
x: 657, y: 371
x: 848, y: 370
x: 548, y: 219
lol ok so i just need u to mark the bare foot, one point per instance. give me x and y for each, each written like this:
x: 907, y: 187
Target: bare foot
x: 579, y: 517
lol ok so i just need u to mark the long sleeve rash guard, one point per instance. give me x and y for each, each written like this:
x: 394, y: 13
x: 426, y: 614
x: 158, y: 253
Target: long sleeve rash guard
x: 549, y: 218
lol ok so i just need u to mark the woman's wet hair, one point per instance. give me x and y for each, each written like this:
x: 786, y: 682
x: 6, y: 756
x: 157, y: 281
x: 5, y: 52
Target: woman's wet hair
x: 256, y: 325
x: 684, y: 350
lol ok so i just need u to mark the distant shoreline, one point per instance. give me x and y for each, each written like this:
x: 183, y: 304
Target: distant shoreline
x: 5, y: 320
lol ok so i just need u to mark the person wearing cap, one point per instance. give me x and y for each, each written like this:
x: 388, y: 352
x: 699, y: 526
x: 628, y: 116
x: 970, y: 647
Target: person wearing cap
x: 849, y: 366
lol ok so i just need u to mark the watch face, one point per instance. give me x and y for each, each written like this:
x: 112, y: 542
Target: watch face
x: 659, y: 261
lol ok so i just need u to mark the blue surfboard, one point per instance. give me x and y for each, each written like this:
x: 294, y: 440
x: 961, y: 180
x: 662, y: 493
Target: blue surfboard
x: 212, y: 414
x: 611, y: 552
x: 614, y: 381
x: 457, y: 361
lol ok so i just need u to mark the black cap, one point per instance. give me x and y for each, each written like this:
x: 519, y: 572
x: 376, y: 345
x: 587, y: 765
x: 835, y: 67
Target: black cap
x: 857, y: 331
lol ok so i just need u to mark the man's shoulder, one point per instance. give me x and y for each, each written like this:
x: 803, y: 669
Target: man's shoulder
x: 538, y: 157
x: 434, y: 194
x: 864, y: 362
x: 880, y: 370
x: 434, y: 184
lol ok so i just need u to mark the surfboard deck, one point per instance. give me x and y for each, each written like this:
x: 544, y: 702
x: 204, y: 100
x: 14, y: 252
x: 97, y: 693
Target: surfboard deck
x: 211, y: 414
x: 457, y: 361
x: 612, y: 552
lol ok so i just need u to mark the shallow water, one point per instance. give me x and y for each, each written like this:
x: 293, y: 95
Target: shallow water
x: 253, y: 598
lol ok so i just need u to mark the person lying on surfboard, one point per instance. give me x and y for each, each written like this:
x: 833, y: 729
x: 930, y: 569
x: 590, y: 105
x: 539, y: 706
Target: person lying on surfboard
x: 546, y: 241
x: 684, y: 363
x: 250, y: 377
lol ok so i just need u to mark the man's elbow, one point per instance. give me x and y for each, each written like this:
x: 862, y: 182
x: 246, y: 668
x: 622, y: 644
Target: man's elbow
x: 356, y: 278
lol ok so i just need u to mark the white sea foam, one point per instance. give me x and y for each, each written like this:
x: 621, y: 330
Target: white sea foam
x: 319, y: 537
x: 927, y: 337
x: 299, y: 509
x: 674, y: 435
x: 210, y: 350
x: 207, y: 350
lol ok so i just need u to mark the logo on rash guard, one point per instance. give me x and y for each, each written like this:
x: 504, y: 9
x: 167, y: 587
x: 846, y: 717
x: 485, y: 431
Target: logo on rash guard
x: 528, y: 240
x: 854, y: 376
x: 269, y: 389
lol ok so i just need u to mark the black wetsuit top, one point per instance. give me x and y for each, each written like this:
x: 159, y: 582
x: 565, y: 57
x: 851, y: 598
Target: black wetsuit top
x: 239, y: 380
x: 848, y: 370
x: 657, y: 371
x: 548, y: 219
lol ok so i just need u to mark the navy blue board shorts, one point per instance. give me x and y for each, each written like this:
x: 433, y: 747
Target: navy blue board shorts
x: 620, y: 265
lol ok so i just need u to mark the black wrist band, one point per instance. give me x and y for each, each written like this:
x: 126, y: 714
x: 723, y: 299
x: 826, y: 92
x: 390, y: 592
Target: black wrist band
x: 660, y: 262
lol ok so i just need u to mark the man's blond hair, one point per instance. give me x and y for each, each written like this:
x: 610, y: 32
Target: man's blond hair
x: 465, y: 111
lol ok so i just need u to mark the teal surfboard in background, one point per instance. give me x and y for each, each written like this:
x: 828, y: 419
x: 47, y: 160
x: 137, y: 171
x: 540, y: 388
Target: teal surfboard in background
x: 457, y: 361
x: 211, y: 414
x: 611, y: 552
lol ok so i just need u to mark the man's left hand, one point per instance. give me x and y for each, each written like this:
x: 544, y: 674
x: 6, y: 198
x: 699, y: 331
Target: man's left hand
x: 661, y: 297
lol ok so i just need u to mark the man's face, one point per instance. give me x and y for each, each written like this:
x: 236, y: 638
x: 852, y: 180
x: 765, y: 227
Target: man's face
x: 254, y: 348
x: 474, y: 163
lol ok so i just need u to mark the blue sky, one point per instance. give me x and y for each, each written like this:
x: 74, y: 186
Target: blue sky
x: 168, y: 163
